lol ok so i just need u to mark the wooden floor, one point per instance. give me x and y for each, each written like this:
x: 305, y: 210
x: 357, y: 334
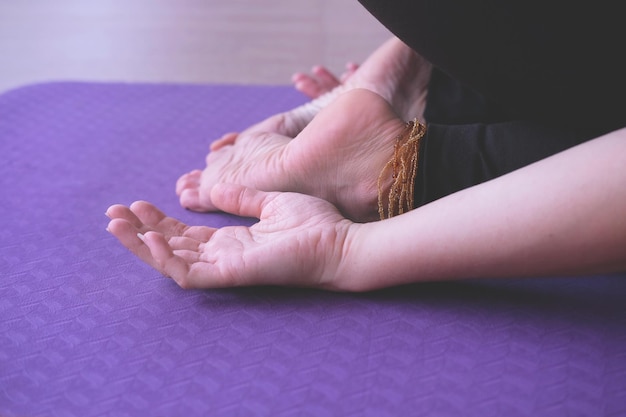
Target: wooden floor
x: 189, y: 41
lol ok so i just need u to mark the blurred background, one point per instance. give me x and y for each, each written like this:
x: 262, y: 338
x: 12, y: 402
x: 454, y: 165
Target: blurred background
x: 180, y: 41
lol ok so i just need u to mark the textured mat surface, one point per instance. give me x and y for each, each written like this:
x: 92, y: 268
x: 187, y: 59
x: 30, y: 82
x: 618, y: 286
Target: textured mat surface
x: 86, y: 329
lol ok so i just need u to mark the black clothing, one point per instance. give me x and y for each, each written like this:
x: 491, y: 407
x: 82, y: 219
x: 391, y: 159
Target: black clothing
x: 513, y: 81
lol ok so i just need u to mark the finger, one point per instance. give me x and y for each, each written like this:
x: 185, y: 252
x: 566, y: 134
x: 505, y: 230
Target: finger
x: 157, y: 220
x: 208, y: 275
x: 227, y: 139
x: 185, y: 267
x: 118, y: 211
x: 240, y: 200
x: 199, y: 233
x: 127, y: 234
x: 147, y: 213
x: 165, y: 260
x: 189, y: 256
x: 189, y: 180
x: 183, y: 243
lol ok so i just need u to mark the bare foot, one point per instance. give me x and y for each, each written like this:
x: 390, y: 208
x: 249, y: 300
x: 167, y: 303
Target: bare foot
x: 337, y: 157
x: 394, y: 71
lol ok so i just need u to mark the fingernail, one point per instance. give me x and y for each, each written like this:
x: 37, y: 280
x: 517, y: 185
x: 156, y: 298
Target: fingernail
x: 141, y: 237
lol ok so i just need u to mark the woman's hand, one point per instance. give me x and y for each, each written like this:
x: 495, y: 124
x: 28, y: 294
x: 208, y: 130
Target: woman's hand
x: 299, y: 241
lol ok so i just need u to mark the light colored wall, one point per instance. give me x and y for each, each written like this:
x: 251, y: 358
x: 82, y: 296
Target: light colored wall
x: 191, y: 41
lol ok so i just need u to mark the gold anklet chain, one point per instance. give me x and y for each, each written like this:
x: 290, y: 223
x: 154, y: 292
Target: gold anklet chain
x: 404, y: 169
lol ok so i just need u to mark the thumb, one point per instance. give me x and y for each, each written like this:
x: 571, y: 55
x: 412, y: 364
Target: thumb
x: 240, y: 200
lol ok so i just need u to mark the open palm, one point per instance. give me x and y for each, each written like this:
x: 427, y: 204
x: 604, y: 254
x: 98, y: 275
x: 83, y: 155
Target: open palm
x: 299, y: 241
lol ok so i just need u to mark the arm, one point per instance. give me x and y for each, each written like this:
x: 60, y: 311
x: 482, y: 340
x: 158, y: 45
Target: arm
x: 565, y: 214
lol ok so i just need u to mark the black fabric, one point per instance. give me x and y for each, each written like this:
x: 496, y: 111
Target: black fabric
x: 454, y: 157
x: 548, y: 60
x: 471, y: 140
x: 514, y: 81
x: 451, y: 102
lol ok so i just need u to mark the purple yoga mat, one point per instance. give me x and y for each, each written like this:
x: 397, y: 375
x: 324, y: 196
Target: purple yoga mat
x: 88, y: 330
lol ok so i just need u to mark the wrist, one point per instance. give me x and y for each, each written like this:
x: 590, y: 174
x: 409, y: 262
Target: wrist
x: 363, y: 263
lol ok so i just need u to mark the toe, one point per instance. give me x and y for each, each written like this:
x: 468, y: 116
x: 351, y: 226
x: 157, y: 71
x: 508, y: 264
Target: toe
x: 189, y: 180
x: 309, y: 88
x: 326, y: 80
x: 192, y: 200
x: 227, y: 139
x: 299, y: 76
x: 351, y: 68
